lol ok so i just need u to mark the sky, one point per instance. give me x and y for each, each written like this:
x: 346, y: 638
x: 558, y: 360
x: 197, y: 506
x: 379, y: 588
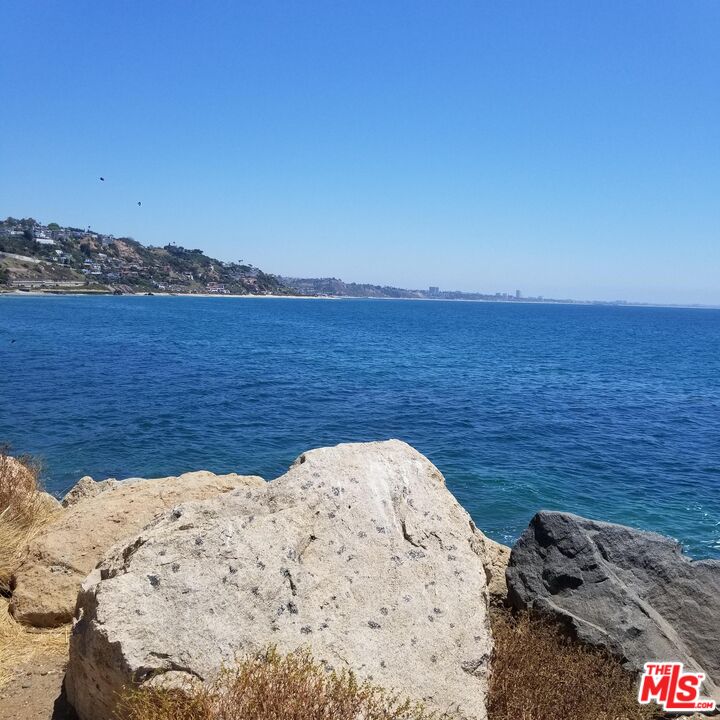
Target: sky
x: 566, y: 149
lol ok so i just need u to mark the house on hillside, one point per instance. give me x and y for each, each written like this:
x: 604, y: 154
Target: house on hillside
x: 61, y: 234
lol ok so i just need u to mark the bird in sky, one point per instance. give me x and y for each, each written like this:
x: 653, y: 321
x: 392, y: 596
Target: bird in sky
x: 139, y: 203
x: 103, y: 179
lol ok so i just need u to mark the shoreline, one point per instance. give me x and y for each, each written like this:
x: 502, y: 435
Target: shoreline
x: 577, y: 303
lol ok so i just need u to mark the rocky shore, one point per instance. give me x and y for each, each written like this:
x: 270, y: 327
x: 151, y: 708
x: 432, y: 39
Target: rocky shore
x: 358, y: 553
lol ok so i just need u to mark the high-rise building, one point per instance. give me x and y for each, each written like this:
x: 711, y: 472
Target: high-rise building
x: 518, y: 294
x: 433, y: 290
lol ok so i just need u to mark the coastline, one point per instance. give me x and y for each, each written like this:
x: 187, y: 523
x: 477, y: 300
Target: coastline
x: 578, y: 303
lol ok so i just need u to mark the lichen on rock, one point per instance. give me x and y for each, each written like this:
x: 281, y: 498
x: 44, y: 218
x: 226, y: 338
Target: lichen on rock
x: 359, y: 553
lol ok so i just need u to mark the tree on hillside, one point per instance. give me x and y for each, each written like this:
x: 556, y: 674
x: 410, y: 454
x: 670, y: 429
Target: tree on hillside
x: 265, y: 281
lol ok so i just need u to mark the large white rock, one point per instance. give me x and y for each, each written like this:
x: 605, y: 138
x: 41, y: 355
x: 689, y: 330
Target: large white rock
x: 359, y: 552
x: 97, y: 515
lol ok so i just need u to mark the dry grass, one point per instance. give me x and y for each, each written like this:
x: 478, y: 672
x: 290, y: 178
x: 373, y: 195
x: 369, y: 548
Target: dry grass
x: 19, y: 645
x: 24, y: 511
x: 539, y: 674
x: 270, y: 686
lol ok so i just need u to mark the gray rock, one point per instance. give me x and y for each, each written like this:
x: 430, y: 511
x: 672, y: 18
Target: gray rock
x: 358, y: 552
x: 629, y: 591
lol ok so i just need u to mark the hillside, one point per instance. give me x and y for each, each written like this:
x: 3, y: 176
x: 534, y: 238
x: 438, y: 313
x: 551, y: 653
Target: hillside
x: 56, y: 259
x: 60, y: 259
x: 338, y: 288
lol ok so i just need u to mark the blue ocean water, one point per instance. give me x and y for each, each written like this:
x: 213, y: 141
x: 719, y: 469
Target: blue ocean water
x: 611, y: 412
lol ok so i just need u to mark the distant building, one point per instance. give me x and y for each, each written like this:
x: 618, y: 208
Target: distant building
x: 433, y: 290
x: 518, y: 294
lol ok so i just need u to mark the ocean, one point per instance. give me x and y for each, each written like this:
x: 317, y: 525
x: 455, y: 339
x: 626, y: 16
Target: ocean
x: 609, y: 412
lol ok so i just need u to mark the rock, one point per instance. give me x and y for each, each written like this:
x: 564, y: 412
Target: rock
x: 358, y: 552
x: 496, y: 561
x: 629, y: 591
x: 49, y: 502
x: 86, y: 488
x: 45, y: 587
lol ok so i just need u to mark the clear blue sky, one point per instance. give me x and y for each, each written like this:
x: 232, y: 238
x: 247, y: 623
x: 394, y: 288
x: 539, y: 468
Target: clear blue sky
x: 569, y: 149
